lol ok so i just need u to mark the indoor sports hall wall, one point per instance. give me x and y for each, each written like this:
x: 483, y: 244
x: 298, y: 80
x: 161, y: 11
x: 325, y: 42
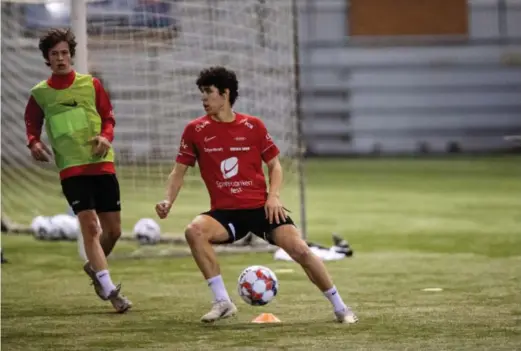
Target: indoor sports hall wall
x: 407, y: 94
x: 357, y: 96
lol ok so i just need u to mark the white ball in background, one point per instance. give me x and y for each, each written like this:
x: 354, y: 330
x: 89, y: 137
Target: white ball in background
x: 42, y: 228
x: 147, y: 231
x: 67, y: 227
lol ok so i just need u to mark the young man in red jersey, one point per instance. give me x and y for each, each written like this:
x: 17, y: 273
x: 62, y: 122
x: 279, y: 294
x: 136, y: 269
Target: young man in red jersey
x: 80, y: 125
x: 230, y: 148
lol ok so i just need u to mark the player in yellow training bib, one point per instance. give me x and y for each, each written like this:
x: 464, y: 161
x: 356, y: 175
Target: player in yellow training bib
x: 79, y: 122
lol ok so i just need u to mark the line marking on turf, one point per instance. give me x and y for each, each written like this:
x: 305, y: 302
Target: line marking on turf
x: 432, y: 289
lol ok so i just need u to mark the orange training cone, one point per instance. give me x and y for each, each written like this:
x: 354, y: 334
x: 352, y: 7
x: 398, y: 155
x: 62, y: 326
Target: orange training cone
x: 266, y: 318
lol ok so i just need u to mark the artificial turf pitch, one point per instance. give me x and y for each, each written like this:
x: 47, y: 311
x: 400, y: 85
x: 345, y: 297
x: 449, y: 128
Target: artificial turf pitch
x: 449, y: 223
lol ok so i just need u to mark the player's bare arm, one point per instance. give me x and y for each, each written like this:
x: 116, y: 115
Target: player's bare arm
x: 273, y: 207
x: 175, y: 182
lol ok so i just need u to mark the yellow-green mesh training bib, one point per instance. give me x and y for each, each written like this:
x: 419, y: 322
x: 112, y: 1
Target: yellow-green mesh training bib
x: 71, y: 120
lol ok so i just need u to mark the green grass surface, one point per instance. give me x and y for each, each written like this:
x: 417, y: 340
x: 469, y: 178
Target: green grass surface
x: 414, y: 224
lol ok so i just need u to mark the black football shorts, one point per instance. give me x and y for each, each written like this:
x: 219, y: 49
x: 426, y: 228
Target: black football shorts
x: 239, y: 223
x: 92, y: 192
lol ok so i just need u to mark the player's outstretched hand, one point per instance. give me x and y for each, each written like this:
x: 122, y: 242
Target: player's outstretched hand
x: 274, y: 209
x: 40, y: 152
x: 100, y: 146
x: 163, y: 208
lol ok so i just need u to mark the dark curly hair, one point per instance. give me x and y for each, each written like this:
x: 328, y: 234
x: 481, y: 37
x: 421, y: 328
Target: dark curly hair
x: 222, y: 79
x: 53, y: 37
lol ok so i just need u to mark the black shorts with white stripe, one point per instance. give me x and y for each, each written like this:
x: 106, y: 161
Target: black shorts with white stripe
x: 239, y: 223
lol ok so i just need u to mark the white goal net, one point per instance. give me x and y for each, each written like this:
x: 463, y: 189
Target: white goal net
x: 148, y: 54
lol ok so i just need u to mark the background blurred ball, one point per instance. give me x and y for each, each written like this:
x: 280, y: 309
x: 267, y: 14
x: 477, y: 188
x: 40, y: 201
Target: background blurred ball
x: 65, y: 227
x: 42, y: 227
x: 147, y: 231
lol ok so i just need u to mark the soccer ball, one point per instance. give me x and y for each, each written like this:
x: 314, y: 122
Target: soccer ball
x: 42, y: 227
x: 147, y: 231
x: 65, y: 227
x: 257, y: 285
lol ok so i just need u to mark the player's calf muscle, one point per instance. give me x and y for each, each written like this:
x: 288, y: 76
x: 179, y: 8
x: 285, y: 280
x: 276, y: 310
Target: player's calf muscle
x: 91, y: 234
x: 111, y: 227
x: 202, y: 250
x: 288, y: 238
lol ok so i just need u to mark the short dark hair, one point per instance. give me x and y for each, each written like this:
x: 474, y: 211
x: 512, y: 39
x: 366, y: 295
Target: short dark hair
x: 53, y: 37
x: 222, y: 79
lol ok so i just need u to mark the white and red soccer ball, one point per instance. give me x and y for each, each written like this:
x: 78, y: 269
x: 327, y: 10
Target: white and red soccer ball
x: 257, y: 285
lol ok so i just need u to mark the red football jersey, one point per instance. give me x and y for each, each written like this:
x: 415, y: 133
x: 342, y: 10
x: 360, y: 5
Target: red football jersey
x: 230, y: 159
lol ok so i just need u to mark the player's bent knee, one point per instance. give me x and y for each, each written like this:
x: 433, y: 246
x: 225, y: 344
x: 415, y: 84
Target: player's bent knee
x: 114, y: 234
x: 114, y: 231
x: 110, y: 224
x: 194, y: 233
x: 89, y: 224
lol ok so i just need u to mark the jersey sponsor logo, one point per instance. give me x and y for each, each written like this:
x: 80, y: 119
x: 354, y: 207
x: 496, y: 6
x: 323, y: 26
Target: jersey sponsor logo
x: 207, y: 139
x: 240, y: 138
x: 230, y: 167
x: 240, y: 148
x: 183, y: 144
x: 234, y: 184
x: 268, y: 136
x: 213, y: 149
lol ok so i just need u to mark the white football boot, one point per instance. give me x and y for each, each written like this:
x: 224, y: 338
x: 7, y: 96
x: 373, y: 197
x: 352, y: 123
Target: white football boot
x: 220, y: 310
x: 346, y: 316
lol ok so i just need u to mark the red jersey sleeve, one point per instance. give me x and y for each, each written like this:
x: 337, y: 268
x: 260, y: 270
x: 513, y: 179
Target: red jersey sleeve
x: 187, y: 154
x: 34, y: 118
x: 267, y: 147
x: 104, y: 108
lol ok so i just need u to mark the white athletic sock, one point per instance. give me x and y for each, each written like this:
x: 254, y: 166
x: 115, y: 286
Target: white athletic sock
x: 218, y: 289
x: 105, y: 281
x: 334, y: 297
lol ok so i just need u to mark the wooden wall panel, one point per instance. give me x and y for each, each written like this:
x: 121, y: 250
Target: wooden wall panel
x: 407, y: 17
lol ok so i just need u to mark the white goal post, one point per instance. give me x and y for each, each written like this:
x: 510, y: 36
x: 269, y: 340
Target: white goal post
x: 148, y: 54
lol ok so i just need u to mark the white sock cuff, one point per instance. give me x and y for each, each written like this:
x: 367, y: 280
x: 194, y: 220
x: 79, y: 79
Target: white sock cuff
x: 214, y: 279
x: 102, y: 273
x: 331, y: 291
